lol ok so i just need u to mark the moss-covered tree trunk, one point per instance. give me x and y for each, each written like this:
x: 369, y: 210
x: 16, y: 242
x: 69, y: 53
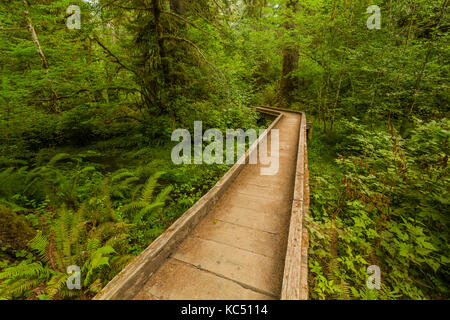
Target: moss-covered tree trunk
x: 290, y: 55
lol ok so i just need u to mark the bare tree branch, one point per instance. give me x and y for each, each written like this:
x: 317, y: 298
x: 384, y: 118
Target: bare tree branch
x: 34, y: 37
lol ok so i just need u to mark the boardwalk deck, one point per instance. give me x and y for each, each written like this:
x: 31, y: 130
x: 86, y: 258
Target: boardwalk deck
x: 237, y: 248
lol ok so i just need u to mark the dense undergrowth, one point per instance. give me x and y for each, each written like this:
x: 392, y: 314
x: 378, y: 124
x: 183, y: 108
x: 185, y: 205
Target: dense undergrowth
x: 379, y: 199
x: 95, y: 206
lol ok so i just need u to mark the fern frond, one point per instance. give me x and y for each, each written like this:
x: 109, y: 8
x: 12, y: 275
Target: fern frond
x: 39, y: 243
x: 17, y: 288
x: 93, y: 244
x: 98, y: 259
x: 120, y: 174
x: 163, y: 195
x: 59, y: 157
x: 56, y: 284
x: 24, y: 270
x: 127, y: 182
x: 133, y: 207
x: 147, y: 210
x: 150, y: 187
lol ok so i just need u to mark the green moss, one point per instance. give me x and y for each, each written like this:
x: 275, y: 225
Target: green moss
x: 14, y: 230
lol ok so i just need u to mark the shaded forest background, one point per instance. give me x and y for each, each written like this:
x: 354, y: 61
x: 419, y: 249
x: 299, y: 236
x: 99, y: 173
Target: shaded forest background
x: 86, y: 117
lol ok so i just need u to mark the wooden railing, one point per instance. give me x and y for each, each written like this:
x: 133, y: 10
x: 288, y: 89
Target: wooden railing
x: 295, y: 276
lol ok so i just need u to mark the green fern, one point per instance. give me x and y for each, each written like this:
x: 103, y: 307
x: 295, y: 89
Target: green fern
x: 39, y: 243
x: 147, y: 194
x: 92, y: 236
x: 147, y: 205
x: 68, y: 242
x: 18, y: 280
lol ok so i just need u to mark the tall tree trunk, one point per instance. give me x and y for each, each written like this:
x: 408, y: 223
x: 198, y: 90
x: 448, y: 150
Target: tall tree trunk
x: 34, y: 37
x: 163, y: 70
x: 157, y: 9
x: 290, y: 56
x: 341, y: 74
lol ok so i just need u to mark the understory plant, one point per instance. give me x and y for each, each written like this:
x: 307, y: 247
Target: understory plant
x: 385, y: 203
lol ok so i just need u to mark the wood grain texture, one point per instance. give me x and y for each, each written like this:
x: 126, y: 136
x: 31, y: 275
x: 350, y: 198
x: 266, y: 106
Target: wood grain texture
x: 295, y: 277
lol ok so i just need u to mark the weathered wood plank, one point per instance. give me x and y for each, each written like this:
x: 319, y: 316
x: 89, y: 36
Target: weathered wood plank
x: 168, y: 288
x: 295, y: 277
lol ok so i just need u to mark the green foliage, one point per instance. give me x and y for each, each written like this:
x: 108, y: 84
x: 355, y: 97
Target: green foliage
x: 74, y: 238
x: 59, y: 179
x: 146, y: 211
x: 387, y: 205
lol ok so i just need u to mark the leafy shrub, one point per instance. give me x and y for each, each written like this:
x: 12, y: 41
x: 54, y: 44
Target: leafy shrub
x: 387, y: 206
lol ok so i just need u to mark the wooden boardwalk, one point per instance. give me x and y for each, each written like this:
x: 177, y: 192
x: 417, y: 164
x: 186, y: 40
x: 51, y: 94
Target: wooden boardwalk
x: 247, y: 243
